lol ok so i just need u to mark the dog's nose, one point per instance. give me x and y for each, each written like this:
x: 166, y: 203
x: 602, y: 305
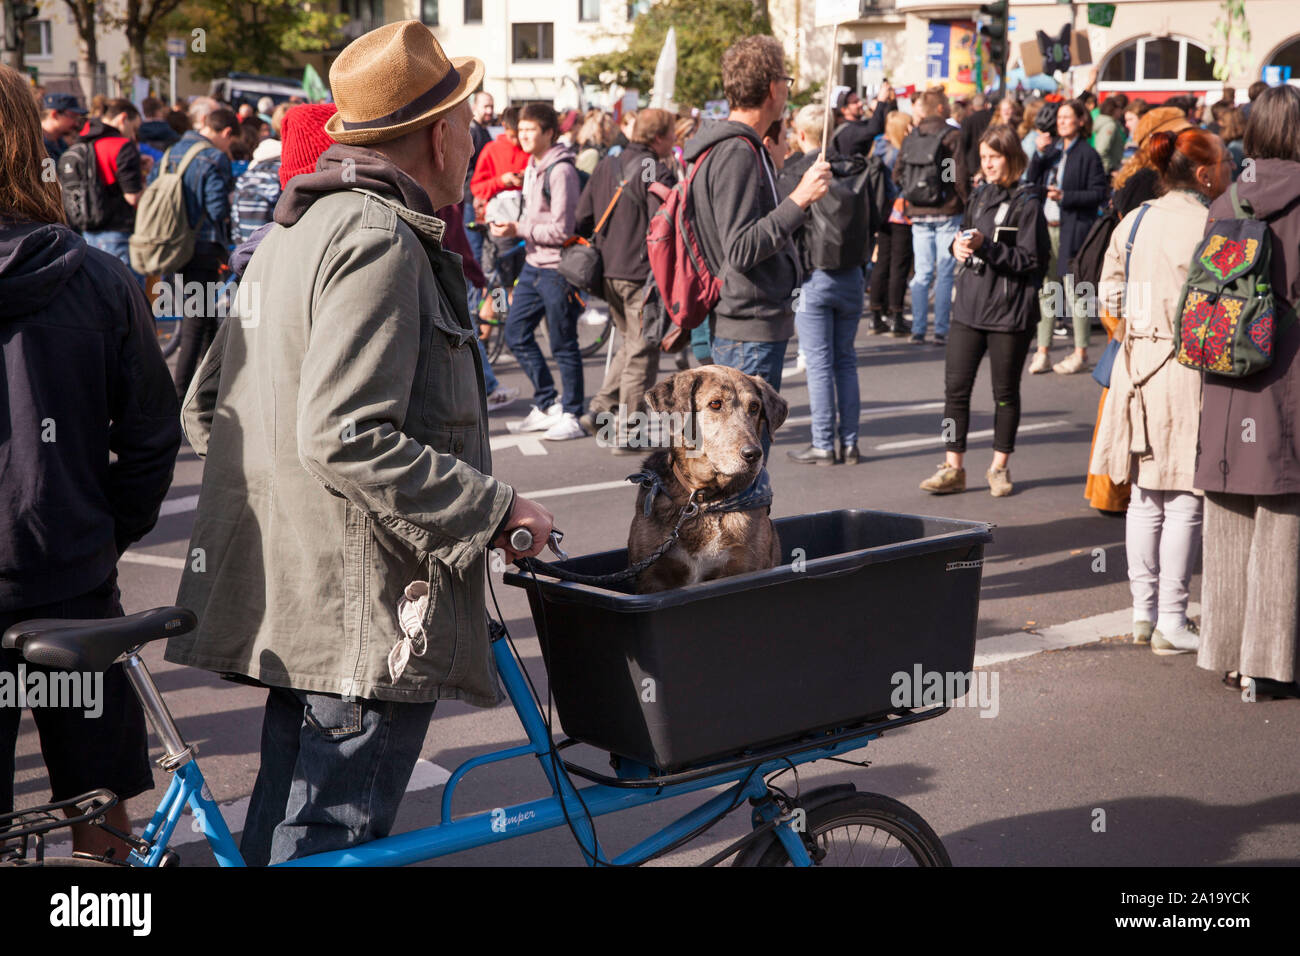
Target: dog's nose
x: 751, y: 453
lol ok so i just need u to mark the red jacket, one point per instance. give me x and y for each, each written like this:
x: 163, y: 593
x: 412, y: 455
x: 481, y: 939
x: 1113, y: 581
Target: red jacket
x: 497, y: 157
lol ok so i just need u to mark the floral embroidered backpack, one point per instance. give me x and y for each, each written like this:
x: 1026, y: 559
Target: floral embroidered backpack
x: 1227, y: 320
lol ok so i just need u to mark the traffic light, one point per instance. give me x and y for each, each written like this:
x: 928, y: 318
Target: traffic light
x: 995, y: 29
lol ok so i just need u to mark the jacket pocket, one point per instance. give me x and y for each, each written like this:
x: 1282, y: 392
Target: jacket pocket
x: 451, y: 378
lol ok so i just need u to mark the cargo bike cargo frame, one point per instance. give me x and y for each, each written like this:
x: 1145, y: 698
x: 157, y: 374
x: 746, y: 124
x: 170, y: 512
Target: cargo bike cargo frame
x: 802, y: 828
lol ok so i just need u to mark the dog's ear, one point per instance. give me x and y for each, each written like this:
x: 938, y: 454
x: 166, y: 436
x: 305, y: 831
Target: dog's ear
x: 661, y: 397
x: 775, y: 407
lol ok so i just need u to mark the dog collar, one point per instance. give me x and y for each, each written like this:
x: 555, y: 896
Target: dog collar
x: 757, y: 495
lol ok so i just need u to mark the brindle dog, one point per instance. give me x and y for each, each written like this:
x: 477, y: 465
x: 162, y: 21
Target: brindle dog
x: 718, y: 454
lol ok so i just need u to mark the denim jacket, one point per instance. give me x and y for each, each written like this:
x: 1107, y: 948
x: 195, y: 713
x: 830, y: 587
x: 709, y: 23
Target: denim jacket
x: 207, y: 185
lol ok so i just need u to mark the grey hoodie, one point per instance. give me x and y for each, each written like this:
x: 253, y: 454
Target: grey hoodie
x: 746, y: 233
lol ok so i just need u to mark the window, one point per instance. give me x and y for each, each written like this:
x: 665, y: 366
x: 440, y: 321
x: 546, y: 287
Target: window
x: 588, y: 10
x: 36, y: 41
x: 1163, y: 63
x: 429, y: 12
x: 533, y: 42
x: 473, y: 11
x: 1288, y: 55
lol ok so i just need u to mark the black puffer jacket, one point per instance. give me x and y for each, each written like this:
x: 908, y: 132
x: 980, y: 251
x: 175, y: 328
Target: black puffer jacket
x: 1003, y: 295
x: 85, y: 383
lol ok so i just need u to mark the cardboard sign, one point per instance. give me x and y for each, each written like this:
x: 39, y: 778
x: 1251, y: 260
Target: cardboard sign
x: 1032, y: 57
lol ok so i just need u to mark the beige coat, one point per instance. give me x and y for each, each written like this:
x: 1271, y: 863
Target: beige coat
x: 1147, y: 433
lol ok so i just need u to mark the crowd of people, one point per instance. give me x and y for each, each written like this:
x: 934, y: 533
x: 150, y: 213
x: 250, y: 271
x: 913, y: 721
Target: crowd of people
x: 347, y: 472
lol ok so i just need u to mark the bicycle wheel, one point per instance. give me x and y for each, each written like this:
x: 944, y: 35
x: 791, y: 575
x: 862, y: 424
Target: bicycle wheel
x: 865, y: 829
x: 495, y: 343
x: 592, y: 336
x: 168, y: 328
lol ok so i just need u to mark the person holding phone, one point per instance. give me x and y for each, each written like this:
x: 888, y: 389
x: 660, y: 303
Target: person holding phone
x: 1002, y: 251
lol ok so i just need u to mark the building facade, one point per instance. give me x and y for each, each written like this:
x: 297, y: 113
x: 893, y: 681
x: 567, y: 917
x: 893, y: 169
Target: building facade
x: 1152, y: 48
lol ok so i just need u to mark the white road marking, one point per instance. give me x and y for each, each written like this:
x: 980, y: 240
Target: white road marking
x: 174, y: 506
x: 425, y: 776
x: 526, y: 443
x: 1088, y: 630
x: 579, y: 489
x: 157, y: 560
x: 882, y: 410
x: 982, y: 433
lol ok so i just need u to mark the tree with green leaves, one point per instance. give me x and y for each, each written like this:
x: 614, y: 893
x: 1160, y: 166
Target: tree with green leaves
x: 1230, y: 48
x: 252, y: 36
x: 705, y: 28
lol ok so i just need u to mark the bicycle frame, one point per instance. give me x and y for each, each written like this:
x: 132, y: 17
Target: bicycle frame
x: 188, y: 788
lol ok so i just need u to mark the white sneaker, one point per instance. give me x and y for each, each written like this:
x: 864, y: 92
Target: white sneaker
x: 1040, y: 364
x: 566, y: 426
x: 501, y: 398
x: 1184, y: 640
x: 537, y: 420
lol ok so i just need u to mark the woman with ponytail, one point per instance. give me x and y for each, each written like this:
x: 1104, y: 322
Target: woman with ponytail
x: 1148, y: 428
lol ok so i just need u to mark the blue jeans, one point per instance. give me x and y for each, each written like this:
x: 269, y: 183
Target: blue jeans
x: 474, y: 296
x: 116, y: 244
x: 702, y: 342
x: 333, y: 773
x: 933, y: 263
x: 543, y: 293
x: 753, y: 358
x: 830, y: 307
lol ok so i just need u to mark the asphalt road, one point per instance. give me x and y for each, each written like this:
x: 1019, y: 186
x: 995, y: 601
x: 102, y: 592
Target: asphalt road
x: 1185, y: 772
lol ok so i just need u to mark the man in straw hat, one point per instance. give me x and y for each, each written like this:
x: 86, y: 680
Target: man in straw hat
x: 338, y: 554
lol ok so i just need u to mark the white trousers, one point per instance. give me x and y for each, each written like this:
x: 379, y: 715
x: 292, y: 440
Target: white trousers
x: 1163, y: 539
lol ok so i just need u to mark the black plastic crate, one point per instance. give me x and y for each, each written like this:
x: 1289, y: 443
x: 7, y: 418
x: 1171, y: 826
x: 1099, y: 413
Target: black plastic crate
x: 682, y: 677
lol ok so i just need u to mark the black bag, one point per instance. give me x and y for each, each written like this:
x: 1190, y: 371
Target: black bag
x: 880, y: 186
x: 840, y: 230
x: 85, y: 197
x: 922, y: 158
x: 1086, y: 264
x: 580, y: 261
x: 1045, y: 118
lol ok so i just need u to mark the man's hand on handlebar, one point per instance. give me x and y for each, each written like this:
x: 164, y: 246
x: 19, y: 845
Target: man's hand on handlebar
x: 526, y: 514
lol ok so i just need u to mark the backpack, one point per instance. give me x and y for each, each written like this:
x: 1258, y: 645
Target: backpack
x: 86, y: 198
x: 546, y: 177
x: 880, y: 186
x: 922, y: 158
x: 1227, y: 321
x: 687, y: 286
x: 839, y: 233
x: 1086, y: 264
x: 163, y: 240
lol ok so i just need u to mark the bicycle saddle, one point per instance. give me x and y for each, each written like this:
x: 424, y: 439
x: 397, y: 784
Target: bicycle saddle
x: 93, y: 645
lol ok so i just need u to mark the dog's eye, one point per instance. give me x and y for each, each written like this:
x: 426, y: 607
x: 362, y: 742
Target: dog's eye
x: 715, y: 404
x: 753, y: 408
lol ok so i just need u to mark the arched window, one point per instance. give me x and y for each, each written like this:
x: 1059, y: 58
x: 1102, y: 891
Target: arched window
x: 1167, y: 63
x: 1288, y: 55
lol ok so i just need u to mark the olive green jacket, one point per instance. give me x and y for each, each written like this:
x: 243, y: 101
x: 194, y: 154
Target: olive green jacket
x: 342, y: 416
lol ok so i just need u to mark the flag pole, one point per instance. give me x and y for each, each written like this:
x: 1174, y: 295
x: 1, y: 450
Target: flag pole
x: 830, y: 85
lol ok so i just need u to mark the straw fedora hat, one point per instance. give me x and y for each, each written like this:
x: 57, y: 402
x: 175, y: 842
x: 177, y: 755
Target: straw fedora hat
x: 393, y: 80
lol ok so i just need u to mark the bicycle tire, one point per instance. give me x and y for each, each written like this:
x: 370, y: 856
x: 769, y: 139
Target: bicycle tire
x: 591, y: 348
x: 169, y: 340
x: 914, y: 843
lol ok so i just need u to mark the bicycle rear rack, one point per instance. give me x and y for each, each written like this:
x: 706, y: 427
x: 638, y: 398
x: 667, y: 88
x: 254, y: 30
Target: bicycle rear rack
x: 22, y: 833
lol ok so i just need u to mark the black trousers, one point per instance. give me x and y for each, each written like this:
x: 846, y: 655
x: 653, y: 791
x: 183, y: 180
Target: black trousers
x: 893, y: 267
x: 965, y: 351
x: 197, y: 331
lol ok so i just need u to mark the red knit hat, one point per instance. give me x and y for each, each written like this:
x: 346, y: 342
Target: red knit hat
x: 304, y: 137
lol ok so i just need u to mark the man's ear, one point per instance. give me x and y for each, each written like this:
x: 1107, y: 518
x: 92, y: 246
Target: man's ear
x: 775, y: 408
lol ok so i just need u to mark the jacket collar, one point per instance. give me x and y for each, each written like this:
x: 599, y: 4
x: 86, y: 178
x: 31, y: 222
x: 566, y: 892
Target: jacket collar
x: 341, y: 168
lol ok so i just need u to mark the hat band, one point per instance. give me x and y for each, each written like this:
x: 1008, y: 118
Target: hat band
x: 414, y: 109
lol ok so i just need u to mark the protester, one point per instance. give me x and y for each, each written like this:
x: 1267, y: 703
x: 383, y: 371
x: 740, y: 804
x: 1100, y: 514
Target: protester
x: 499, y: 175
x: 483, y: 106
x: 1109, y: 134
x: 626, y: 267
x: 120, y: 177
x: 256, y: 191
x: 1253, y: 93
x: 550, y: 210
x: 154, y: 135
x: 1070, y: 175
x: 830, y: 303
x: 893, y: 255
x: 855, y: 136
x: 744, y: 230
x: 931, y: 165
x: 207, y: 184
x: 1003, y: 250
x: 595, y: 137
x: 376, y: 414
x: 77, y: 329
x: 1250, y: 608
x: 1232, y: 130
x: 1009, y: 113
x: 1133, y: 112
x: 1027, y: 130
x: 1136, y: 182
x: 62, y: 117
x: 973, y: 125
x: 1147, y: 434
